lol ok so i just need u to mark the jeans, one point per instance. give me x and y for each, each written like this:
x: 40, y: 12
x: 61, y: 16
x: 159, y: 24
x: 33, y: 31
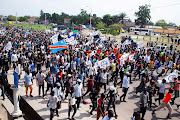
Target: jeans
x: 78, y: 101
x: 42, y: 89
x: 74, y: 107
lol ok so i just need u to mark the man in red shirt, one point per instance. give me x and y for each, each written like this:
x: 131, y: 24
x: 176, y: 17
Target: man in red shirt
x: 166, y: 103
x: 100, y: 108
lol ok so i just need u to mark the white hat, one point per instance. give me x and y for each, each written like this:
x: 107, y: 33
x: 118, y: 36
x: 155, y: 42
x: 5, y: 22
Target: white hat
x: 69, y: 75
x: 58, y: 84
x: 78, y: 80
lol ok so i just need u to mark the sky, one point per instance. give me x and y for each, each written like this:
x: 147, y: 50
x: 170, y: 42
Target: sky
x: 160, y: 9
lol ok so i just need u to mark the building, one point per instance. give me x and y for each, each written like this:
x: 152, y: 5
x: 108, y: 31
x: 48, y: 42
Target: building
x: 32, y: 21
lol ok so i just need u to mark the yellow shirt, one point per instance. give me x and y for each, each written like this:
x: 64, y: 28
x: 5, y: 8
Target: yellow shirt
x: 113, y: 65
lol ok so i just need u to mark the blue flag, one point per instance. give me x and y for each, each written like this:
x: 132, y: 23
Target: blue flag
x: 61, y: 45
x: 16, y: 79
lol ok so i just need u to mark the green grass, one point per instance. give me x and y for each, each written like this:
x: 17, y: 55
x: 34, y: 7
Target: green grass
x: 29, y: 26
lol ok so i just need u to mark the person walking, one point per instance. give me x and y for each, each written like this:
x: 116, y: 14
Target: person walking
x: 58, y: 92
x: 50, y: 81
x: 78, y: 89
x: 72, y: 103
x: 166, y: 103
x: 112, y: 101
x: 52, y: 104
x: 28, y: 81
x: 100, y: 108
x: 125, y: 86
x: 161, y: 91
x: 40, y: 77
x: 4, y: 80
x: 143, y: 102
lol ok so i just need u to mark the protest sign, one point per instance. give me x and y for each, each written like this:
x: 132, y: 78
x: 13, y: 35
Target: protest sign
x: 8, y: 46
x: 170, y: 77
x: 54, y: 38
x: 103, y: 63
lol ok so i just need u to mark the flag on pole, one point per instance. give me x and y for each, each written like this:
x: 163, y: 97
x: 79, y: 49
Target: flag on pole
x: 16, y: 79
x: 61, y: 45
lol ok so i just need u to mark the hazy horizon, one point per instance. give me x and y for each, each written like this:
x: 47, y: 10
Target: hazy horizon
x: 160, y: 9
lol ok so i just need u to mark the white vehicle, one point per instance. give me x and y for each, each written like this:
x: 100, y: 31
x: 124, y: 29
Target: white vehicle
x: 142, y: 31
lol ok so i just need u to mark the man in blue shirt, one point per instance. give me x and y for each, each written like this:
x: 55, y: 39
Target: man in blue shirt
x: 28, y: 83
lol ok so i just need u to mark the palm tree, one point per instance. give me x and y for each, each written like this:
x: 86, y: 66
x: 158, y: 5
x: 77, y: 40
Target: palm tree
x: 122, y: 16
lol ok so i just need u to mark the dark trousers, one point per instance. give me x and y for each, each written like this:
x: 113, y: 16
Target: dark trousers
x: 2, y: 94
x: 143, y: 111
x: 113, y: 75
x: 161, y: 96
x: 88, y: 90
x: 150, y: 99
x: 124, y: 95
x: 112, y: 102
x: 75, y: 109
x: 78, y: 101
x: 49, y: 86
x: 51, y: 113
x: 94, y: 105
x: 41, y: 86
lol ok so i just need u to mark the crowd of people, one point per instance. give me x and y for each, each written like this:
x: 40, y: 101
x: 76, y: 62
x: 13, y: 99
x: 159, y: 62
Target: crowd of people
x: 67, y: 73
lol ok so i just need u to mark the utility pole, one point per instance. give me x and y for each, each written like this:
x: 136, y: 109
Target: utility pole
x: 90, y: 26
x: 45, y: 21
x: 16, y: 19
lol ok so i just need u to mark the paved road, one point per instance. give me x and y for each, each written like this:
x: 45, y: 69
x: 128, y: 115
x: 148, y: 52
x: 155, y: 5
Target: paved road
x: 124, y: 109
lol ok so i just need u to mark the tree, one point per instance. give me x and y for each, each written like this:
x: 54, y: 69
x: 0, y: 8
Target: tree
x: 115, y: 19
x: 143, y: 15
x: 100, y: 25
x: 83, y: 17
x: 121, y: 17
x: 161, y: 23
x: 22, y: 19
x: 55, y: 18
x: 172, y: 24
x: 107, y: 19
x: 11, y: 18
x: 41, y: 15
x: 95, y: 21
x: 115, y: 29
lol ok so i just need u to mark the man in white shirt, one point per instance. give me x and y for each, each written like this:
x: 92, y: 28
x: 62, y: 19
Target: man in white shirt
x: 104, y: 76
x: 59, y: 94
x: 125, y: 86
x: 78, y: 88
x: 170, y: 65
x: 161, y: 91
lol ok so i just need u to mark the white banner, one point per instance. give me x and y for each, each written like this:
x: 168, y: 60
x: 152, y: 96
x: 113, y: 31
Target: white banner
x: 131, y: 57
x: 8, y: 46
x: 54, y: 38
x: 103, y: 63
x: 170, y: 77
x: 140, y: 44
